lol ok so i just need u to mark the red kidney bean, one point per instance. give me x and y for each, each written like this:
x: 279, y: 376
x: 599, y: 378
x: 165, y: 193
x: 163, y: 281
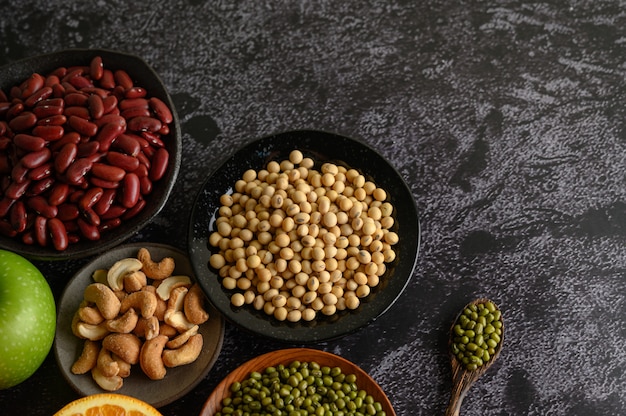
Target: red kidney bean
x: 111, y: 118
x: 58, y: 194
x: 4, y: 108
x: 78, y: 111
x: 35, y: 159
x: 77, y: 170
x: 19, y: 173
x: 123, y: 79
x: 43, y: 111
x: 49, y: 133
x: 31, y: 85
x: 14, y: 110
x: 100, y: 92
x: 107, y: 81
x: 53, y: 102
x: 40, y: 205
x: 51, y: 80
x: 105, y: 201
x: 76, y: 99
x: 87, y: 149
x: 108, y: 133
x: 28, y: 142
x: 114, y: 211
x: 135, y: 112
x: 96, y: 68
x: 23, y: 121
x: 80, y: 82
x: 16, y: 189
x: 89, y: 231
x: 90, y: 216
x: 40, y: 186
x: 161, y: 110
x: 41, y: 172
x: 42, y: 94
x: 159, y: 165
x: 130, y: 190
x: 109, y: 225
x: 58, y: 234
x: 96, y: 106
x: 90, y: 197
x: 65, y: 157
x: 6, y: 229
x: 18, y: 217
x: 54, y: 120
x: 141, y: 171
x: 128, y: 103
x: 135, y: 92
x: 82, y: 126
x: 108, y: 172
x: 145, y: 185
x: 68, y: 212
x: 109, y: 103
x: 126, y: 162
x: 41, y: 230
x: 103, y: 183
x: 128, y: 144
x: 58, y: 90
x: 150, y: 124
x: 132, y: 212
x: 152, y: 138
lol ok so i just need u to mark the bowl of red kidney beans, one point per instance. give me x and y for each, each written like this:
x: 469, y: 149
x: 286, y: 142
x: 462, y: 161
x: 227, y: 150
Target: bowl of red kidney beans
x: 90, y: 149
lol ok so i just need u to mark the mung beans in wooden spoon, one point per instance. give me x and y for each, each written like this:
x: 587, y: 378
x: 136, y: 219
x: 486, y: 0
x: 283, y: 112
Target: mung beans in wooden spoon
x: 476, y: 339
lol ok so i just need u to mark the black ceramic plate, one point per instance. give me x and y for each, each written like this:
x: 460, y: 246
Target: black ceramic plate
x: 322, y: 147
x: 144, y: 76
x: 178, y: 381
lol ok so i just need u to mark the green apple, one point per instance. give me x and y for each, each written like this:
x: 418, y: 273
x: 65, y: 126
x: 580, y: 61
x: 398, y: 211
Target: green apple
x: 27, y: 319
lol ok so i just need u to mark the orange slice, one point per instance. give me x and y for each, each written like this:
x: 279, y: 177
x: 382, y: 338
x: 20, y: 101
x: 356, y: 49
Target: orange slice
x: 108, y: 404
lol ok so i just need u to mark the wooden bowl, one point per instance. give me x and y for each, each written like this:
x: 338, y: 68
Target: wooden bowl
x: 286, y: 356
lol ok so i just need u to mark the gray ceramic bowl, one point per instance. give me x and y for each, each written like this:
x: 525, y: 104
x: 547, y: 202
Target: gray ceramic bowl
x: 144, y: 76
x: 179, y: 380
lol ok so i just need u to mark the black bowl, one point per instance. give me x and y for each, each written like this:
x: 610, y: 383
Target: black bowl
x: 322, y: 147
x: 144, y: 76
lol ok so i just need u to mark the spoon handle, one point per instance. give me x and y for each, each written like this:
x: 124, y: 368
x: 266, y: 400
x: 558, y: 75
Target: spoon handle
x: 462, y: 380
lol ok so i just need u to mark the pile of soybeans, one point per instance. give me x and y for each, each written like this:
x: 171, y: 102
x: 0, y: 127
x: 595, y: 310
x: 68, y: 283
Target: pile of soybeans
x: 294, y: 241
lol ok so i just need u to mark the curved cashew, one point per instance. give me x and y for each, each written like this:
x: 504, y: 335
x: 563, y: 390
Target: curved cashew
x: 168, y: 284
x: 143, y: 301
x: 167, y: 330
x: 124, y: 323
x: 106, y: 364
x: 107, y: 302
x: 154, y: 270
x: 182, y: 338
x: 125, y: 346
x: 92, y: 332
x: 150, y: 357
x: 174, y: 315
x: 185, y: 354
x: 115, y: 275
x: 135, y: 281
x: 194, y: 306
x: 123, y: 366
x: 107, y: 383
x: 88, y: 357
x: 159, y: 312
x: 90, y: 315
x: 147, y: 328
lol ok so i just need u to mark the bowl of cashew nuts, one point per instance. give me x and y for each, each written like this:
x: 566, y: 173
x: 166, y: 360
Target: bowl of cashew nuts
x: 134, y: 321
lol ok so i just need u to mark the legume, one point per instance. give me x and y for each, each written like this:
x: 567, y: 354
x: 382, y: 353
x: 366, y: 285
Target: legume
x: 299, y: 389
x: 477, y: 334
x: 288, y: 226
x: 77, y: 131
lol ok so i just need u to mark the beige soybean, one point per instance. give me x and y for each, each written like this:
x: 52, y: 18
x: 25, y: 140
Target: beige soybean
x: 296, y: 242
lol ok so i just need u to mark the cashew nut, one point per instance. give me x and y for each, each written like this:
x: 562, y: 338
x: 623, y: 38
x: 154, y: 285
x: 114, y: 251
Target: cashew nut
x: 108, y: 304
x: 147, y: 328
x: 125, y: 346
x: 150, y: 357
x: 168, y: 284
x: 174, y: 315
x: 90, y: 314
x: 185, y: 354
x: 92, y: 332
x: 167, y: 330
x: 123, y: 366
x: 159, y: 312
x: 154, y: 270
x: 143, y: 301
x: 100, y: 276
x: 124, y: 323
x: 88, y: 357
x: 182, y: 338
x: 106, y: 364
x: 115, y: 275
x: 194, y: 306
x: 135, y: 281
x: 107, y: 383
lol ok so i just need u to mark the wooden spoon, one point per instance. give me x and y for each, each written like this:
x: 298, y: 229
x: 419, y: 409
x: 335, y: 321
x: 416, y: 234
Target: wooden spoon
x: 462, y: 378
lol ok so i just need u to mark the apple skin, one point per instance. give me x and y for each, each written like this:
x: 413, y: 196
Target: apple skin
x: 27, y: 319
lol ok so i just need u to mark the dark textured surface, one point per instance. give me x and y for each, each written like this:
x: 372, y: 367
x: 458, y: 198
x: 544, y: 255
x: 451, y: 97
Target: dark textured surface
x: 505, y: 118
